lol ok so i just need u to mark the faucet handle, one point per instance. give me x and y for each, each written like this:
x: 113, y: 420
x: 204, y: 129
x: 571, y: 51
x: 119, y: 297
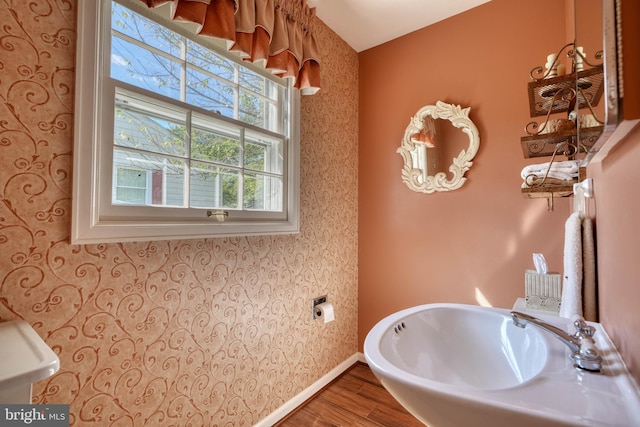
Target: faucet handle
x: 583, y: 330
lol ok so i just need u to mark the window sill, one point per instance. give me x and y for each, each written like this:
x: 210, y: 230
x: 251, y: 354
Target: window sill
x: 83, y: 232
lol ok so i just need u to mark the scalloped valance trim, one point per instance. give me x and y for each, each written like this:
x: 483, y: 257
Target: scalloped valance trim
x: 277, y: 33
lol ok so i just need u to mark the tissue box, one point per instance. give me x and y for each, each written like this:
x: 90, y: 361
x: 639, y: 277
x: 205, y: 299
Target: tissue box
x: 543, y: 291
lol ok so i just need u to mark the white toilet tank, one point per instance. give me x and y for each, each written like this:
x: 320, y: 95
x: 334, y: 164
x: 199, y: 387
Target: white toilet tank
x: 24, y: 359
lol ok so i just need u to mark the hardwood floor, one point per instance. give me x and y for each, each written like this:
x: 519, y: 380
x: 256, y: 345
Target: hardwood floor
x: 354, y: 399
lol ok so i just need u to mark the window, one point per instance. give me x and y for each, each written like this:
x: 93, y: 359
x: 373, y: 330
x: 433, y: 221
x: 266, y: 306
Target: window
x: 180, y: 139
x: 131, y: 186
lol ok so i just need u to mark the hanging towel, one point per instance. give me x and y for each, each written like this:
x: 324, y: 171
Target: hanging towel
x: 589, y: 292
x: 572, y: 281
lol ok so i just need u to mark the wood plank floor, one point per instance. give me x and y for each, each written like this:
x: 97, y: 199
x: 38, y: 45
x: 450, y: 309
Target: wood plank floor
x: 354, y: 399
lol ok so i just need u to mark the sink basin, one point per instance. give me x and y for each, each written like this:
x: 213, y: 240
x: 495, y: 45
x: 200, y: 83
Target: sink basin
x: 476, y: 349
x: 459, y: 365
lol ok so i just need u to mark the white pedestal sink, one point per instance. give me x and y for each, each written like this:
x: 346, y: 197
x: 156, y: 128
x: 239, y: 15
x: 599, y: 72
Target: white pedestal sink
x: 461, y: 365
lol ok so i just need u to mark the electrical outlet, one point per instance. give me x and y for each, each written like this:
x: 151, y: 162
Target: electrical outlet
x: 315, y: 302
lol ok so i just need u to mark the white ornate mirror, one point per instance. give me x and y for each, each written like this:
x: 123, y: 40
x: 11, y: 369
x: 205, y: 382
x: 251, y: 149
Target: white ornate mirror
x: 431, y: 146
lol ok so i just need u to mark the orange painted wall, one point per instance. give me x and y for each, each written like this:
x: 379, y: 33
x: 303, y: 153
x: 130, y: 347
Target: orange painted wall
x: 474, y: 243
x: 617, y: 209
x: 416, y: 248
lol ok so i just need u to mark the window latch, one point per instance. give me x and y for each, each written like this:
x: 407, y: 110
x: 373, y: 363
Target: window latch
x: 219, y: 214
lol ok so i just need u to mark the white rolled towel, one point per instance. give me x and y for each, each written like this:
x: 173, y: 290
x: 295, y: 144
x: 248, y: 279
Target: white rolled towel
x: 566, y: 170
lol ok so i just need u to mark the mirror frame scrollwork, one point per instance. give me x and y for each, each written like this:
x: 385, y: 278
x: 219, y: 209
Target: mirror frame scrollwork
x: 459, y: 118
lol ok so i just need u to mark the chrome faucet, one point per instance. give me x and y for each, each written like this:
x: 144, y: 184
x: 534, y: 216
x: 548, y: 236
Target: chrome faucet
x: 584, y: 352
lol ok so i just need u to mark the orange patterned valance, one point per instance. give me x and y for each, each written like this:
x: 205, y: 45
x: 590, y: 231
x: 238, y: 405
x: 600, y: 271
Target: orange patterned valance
x: 278, y: 33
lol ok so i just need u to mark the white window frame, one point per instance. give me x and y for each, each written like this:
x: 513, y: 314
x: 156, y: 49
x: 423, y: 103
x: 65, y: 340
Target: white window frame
x: 94, y: 218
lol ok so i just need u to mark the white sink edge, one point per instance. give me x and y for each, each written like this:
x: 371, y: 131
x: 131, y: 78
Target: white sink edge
x: 47, y: 365
x: 627, y: 384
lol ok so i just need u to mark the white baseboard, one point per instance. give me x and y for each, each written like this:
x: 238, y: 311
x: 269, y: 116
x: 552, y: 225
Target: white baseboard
x: 297, y: 400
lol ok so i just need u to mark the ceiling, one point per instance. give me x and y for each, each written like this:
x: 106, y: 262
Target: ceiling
x: 367, y: 23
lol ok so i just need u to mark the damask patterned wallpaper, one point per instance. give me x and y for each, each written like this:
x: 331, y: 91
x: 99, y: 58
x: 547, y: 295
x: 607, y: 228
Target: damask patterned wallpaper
x: 199, y: 332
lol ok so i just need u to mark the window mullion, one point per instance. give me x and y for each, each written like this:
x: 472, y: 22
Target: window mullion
x: 236, y: 92
x: 242, y: 170
x: 183, y: 98
x: 183, y: 70
x: 188, y: 160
